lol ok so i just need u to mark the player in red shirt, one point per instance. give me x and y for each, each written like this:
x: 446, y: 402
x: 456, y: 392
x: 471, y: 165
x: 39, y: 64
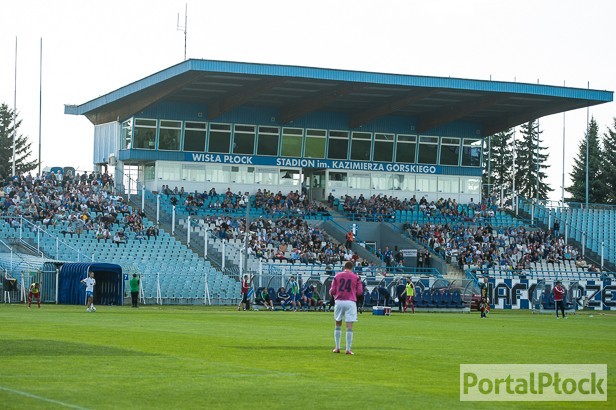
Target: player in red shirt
x: 559, y: 295
x: 345, y: 288
x: 245, y: 303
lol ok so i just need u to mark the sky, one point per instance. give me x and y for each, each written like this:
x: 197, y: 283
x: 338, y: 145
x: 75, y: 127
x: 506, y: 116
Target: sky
x: 91, y: 48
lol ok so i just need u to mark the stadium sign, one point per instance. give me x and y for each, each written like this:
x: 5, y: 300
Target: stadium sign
x: 231, y: 159
x: 525, y: 293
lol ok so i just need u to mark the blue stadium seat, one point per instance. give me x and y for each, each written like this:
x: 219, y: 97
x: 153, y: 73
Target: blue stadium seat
x: 426, y: 299
x: 419, y: 302
x: 456, y: 299
x: 446, y: 299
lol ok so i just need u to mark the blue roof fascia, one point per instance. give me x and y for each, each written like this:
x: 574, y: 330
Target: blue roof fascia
x: 400, y: 79
x: 342, y: 75
x: 129, y: 89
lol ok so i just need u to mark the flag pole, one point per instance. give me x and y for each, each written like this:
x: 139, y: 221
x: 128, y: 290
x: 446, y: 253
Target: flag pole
x: 514, y: 196
x: 15, y: 108
x: 587, y: 132
x: 40, y: 103
x: 562, y: 187
x: 537, y: 164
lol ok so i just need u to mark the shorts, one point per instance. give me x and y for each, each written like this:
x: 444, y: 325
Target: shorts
x: 346, y: 309
x: 89, y: 294
x: 36, y: 296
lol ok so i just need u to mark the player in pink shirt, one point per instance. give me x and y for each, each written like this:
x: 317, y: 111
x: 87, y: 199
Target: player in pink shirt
x: 345, y: 288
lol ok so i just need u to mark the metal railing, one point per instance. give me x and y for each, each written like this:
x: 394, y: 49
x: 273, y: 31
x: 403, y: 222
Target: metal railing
x: 22, y: 227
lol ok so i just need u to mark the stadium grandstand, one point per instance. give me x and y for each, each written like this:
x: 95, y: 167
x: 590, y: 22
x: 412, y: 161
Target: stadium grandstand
x: 209, y: 170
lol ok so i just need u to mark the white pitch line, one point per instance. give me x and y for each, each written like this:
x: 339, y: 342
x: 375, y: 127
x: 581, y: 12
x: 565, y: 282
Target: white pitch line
x: 45, y: 399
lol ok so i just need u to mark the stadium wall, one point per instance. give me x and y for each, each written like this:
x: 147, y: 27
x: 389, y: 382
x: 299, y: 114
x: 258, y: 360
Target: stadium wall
x: 106, y: 142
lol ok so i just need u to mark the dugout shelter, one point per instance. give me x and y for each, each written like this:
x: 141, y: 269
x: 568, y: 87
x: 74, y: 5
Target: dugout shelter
x: 205, y: 124
x: 109, y: 288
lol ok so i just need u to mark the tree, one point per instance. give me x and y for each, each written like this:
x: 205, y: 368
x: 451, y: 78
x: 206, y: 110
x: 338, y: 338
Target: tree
x: 531, y: 163
x: 597, y: 189
x: 609, y: 163
x: 22, y: 145
x: 499, y: 163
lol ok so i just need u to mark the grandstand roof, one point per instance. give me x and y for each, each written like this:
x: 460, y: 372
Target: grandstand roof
x: 223, y: 86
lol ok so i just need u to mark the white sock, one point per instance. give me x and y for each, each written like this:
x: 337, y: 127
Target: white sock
x: 349, y: 339
x: 337, y: 335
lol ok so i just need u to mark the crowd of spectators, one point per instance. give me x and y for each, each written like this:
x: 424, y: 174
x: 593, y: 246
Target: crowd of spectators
x: 288, y: 239
x: 383, y: 208
x: 76, y: 204
x: 270, y: 203
x: 504, y: 248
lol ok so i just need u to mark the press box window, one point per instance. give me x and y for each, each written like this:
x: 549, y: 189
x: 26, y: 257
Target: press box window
x: 169, y: 135
x: 471, y: 153
x: 266, y: 176
x: 361, y: 145
x: 242, y: 175
x: 425, y: 183
x: 127, y: 133
x: 244, y: 140
x: 404, y: 182
x: 450, y: 151
x: 217, y: 173
x: 448, y: 185
x: 383, y: 147
x: 337, y: 180
x: 291, y: 145
x: 168, y: 171
x: 338, y: 145
x: 289, y: 177
x: 382, y: 181
x: 193, y: 173
x: 220, y: 138
x: 194, y: 136
x: 315, y: 144
x: 428, y: 150
x: 406, y: 147
x: 144, y: 134
x: 267, y: 141
x: 359, y: 181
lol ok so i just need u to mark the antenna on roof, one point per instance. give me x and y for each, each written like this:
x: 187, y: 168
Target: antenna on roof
x: 180, y: 28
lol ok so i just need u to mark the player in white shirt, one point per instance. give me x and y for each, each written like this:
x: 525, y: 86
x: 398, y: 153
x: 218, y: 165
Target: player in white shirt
x: 89, y: 282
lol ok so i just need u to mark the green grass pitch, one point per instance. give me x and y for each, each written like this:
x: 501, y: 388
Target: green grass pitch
x: 216, y: 357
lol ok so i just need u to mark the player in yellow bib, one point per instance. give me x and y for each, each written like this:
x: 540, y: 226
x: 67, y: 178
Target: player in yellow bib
x: 35, y: 291
x: 410, y: 294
